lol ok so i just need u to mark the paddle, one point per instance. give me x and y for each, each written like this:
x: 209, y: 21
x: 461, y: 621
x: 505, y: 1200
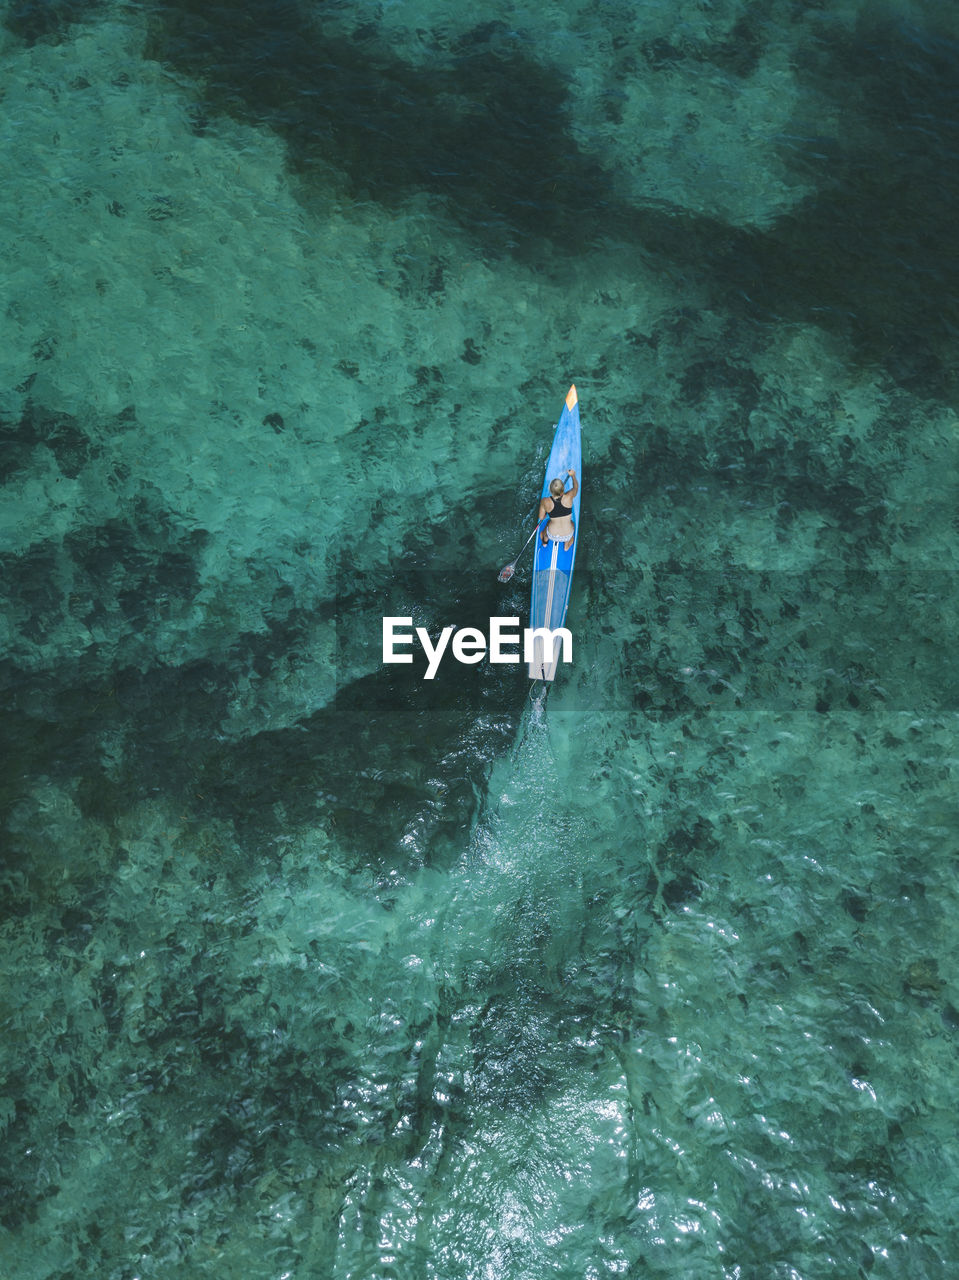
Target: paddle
x: 507, y: 570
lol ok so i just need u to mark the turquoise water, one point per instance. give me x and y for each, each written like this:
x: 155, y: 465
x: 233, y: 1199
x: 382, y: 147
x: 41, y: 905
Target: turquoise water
x: 312, y: 969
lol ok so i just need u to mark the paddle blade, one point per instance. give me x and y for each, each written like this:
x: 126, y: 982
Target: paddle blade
x: 506, y: 572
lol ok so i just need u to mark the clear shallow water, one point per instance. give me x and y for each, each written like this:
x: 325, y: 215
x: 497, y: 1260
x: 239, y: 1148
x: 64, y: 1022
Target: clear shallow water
x: 313, y: 970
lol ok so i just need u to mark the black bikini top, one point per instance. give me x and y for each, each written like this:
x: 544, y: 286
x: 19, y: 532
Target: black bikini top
x: 559, y: 511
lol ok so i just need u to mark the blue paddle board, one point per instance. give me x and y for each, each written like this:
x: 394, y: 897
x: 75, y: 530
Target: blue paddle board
x: 553, y: 564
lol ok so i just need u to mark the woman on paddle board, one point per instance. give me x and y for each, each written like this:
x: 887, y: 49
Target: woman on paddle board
x: 560, y: 527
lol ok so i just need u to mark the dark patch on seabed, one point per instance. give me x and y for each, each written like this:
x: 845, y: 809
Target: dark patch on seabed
x: 37, y: 429
x: 395, y: 763
x: 484, y: 126
x: 397, y: 773
x: 871, y: 255
x: 33, y: 20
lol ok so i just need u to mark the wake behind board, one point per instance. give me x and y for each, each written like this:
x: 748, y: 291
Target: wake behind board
x: 553, y: 564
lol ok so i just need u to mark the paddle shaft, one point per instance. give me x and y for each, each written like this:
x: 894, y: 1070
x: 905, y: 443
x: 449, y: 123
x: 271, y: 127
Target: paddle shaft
x: 532, y: 536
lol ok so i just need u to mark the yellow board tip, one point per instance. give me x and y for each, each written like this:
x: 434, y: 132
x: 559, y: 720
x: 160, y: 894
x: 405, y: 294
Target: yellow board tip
x: 571, y: 397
